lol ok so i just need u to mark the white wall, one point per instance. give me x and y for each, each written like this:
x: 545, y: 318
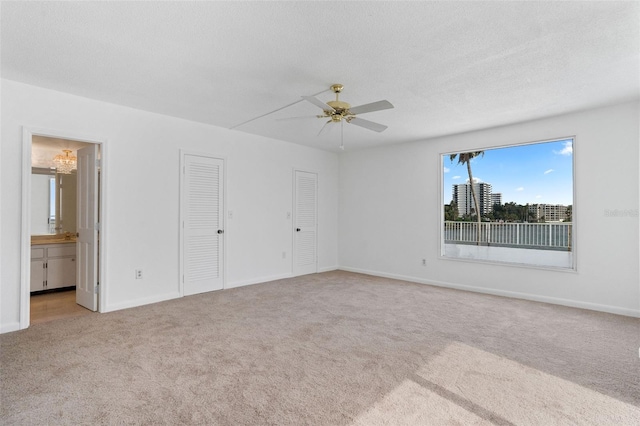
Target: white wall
x: 142, y: 194
x: 390, y: 207
x: 388, y: 204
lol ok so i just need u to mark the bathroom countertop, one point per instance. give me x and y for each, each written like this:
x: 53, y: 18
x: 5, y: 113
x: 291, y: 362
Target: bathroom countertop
x: 46, y: 240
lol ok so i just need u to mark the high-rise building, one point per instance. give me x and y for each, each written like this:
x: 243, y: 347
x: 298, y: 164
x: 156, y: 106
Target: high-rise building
x: 496, y: 198
x: 464, y: 199
x: 548, y: 212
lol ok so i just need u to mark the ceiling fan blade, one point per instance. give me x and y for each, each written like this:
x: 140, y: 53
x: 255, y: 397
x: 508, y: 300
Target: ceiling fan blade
x: 373, y: 106
x: 376, y: 127
x: 297, y: 118
x: 317, y: 102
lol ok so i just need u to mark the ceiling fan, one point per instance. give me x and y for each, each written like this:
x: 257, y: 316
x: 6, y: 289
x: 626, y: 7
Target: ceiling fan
x: 339, y: 112
x: 336, y: 111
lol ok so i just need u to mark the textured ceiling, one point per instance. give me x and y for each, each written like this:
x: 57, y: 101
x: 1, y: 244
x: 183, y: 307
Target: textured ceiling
x: 448, y: 67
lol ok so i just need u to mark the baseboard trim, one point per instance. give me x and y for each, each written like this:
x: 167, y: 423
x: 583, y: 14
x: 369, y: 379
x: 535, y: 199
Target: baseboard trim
x: 141, y: 302
x: 8, y: 328
x: 512, y: 294
x: 234, y: 284
x: 328, y: 269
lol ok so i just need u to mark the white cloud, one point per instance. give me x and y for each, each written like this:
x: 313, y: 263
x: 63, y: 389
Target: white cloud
x: 456, y: 177
x: 446, y: 170
x: 521, y: 188
x: 538, y: 196
x: 546, y: 172
x: 566, y: 150
x: 475, y: 180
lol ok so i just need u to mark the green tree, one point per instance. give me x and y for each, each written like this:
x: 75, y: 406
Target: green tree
x: 465, y: 158
x: 451, y: 211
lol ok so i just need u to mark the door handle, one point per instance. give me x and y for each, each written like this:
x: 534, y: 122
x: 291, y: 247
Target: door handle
x: 297, y: 229
x: 220, y: 231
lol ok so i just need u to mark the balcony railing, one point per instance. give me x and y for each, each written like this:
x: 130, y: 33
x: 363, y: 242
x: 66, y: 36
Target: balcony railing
x: 548, y: 236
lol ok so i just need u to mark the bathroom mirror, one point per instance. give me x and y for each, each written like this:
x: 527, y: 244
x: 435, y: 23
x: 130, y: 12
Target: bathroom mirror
x: 53, y: 202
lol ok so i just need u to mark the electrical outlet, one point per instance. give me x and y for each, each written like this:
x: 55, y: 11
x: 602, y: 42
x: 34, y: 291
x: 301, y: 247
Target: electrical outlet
x: 284, y: 254
x: 138, y: 274
x: 230, y: 214
x: 424, y: 262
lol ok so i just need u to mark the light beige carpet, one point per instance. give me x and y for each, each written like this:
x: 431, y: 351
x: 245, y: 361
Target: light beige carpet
x: 328, y: 349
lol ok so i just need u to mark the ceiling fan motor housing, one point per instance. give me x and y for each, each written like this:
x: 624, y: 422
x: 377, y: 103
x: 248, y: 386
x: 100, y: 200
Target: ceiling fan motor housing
x: 341, y: 109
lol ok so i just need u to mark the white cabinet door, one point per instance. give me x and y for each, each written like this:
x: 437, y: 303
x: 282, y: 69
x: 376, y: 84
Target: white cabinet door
x: 53, y: 266
x: 37, y: 275
x: 61, y: 273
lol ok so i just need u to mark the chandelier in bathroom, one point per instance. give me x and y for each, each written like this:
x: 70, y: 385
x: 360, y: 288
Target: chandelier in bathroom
x: 66, y: 163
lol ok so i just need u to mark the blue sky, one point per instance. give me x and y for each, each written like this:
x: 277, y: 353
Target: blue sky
x: 536, y: 173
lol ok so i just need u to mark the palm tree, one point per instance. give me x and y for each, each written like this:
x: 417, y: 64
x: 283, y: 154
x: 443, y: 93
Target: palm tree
x: 465, y: 158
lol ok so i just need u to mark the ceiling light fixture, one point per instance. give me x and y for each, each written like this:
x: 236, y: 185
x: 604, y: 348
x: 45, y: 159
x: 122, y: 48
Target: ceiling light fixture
x: 66, y: 163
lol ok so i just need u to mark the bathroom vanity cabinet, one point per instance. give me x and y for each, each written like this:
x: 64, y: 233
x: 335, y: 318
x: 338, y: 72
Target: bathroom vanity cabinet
x: 53, y: 266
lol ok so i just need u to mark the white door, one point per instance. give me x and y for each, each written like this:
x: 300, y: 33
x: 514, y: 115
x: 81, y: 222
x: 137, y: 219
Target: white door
x: 202, y: 210
x: 87, y: 242
x: 305, y: 229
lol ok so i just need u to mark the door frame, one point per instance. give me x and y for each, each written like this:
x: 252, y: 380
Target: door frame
x: 183, y: 153
x: 25, y: 233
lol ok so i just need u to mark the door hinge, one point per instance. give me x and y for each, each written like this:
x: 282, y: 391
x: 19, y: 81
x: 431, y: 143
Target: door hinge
x: 97, y: 288
x: 98, y: 162
x: 96, y: 226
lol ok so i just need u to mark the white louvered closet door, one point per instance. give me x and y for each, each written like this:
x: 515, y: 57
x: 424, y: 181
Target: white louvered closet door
x: 305, y: 228
x: 203, y: 224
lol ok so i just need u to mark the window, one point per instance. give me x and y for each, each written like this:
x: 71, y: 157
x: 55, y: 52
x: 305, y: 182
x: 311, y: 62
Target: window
x: 511, y: 204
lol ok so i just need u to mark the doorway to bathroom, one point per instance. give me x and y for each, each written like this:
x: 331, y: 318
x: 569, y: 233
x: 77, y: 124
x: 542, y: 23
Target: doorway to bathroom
x: 61, y: 232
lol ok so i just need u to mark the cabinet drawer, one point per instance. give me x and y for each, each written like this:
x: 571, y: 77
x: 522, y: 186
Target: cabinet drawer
x: 37, y: 253
x: 69, y: 250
